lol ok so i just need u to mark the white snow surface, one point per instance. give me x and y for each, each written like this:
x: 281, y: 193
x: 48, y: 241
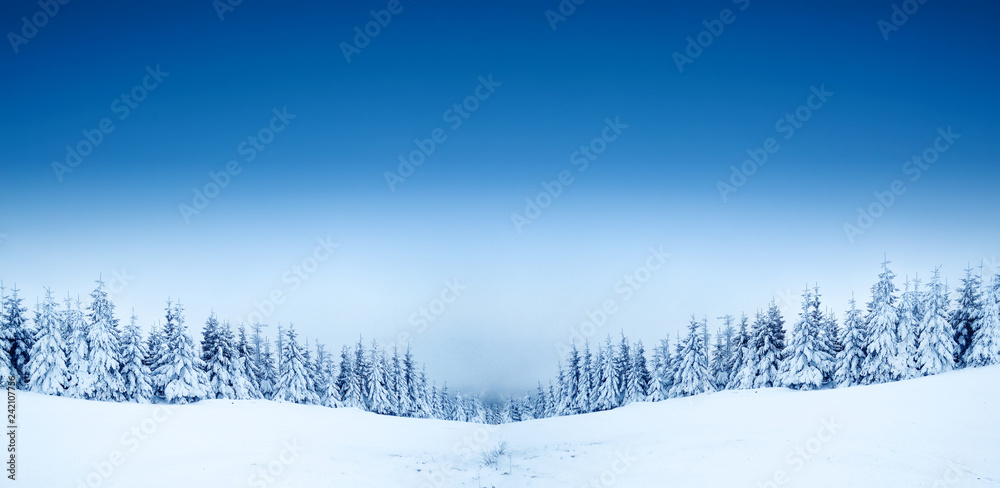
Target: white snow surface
x: 937, y: 431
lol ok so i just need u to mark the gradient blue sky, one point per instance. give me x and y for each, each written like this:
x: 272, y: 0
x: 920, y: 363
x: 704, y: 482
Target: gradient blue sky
x: 654, y: 186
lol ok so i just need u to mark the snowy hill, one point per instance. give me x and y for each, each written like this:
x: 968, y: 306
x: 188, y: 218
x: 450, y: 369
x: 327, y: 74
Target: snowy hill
x: 937, y: 431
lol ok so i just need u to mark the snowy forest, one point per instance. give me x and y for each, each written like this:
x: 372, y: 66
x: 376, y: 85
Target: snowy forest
x: 917, y: 331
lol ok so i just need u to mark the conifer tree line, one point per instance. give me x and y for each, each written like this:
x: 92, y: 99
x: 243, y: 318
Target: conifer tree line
x: 83, y: 353
x: 901, y: 334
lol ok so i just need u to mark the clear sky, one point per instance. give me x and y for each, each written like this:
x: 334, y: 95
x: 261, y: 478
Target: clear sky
x: 184, y: 93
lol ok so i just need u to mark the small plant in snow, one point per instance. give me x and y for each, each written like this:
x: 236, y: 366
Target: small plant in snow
x: 491, y: 456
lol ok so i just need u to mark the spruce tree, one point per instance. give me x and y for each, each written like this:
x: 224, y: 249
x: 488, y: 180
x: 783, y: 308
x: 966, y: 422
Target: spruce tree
x: 47, y: 364
x: 936, y: 352
x: 851, y: 358
x: 246, y: 364
x: 966, y: 318
x: 378, y: 382
x: 80, y: 379
x: 693, y: 375
x: 607, y: 390
x: 907, y: 330
x: 985, y: 348
x: 179, y: 369
x: 15, y: 338
x: 104, y: 356
x: 135, y: 373
x: 742, y: 367
x: 807, y: 358
x: 268, y: 373
x: 768, y: 349
x: 293, y: 382
x: 882, y: 360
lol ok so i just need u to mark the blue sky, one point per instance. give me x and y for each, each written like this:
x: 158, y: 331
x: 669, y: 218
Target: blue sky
x: 322, y: 176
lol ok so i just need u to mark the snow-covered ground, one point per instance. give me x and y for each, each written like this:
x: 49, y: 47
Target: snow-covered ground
x: 932, y: 432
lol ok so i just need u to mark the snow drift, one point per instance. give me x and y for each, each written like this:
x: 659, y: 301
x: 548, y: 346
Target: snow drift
x: 937, y: 431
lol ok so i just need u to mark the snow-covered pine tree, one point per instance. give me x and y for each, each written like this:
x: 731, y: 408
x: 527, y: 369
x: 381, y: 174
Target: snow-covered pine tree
x: 584, y: 403
x: 423, y: 396
x: 307, y: 362
x: 180, y: 370
x: 623, y: 364
x: 965, y: 319
x: 571, y: 383
x: 268, y: 372
x: 47, y: 364
x: 607, y: 390
x: 104, y: 356
x: 538, y: 409
x: 807, y: 359
x: 361, y: 374
x: 16, y: 337
x: 135, y: 373
x: 397, y: 384
x: 80, y: 379
x: 378, y: 378
x: 632, y: 390
x: 985, y: 348
x: 741, y: 367
x: 551, y: 402
x: 668, y: 367
x: 293, y: 381
x: 320, y: 373
x: 720, y: 363
x: 411, y: 379
x: 936, y: 351
x: 693, y: 375
x: 246, y: 366
x: 158, y: 352
x: 832, y: 341
x: 347, y: 382
x: 656, y: 377
x: 851, y: 358
x: 641, y: 368
x: 882, y: 360
x: 907, y: 332
x: 768, y: 347
x: 445, y: 407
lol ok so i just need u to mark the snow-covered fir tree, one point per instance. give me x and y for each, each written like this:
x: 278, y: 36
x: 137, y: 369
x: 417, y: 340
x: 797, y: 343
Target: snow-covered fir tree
x: 608, y: 388
x: 246, y: 365
x: 15, y: 337
x: 79, y: 348
x: 179, y: 369
x: 768, y: 348
x: 135, y: 373
x: 936, y: 351
x: 347, y: 382
x: 693, y: 375
x: 985, y: 349
x: 966, y: 318
x: 47, y: 364
x: 268, y: 372
x: 378, y: 382
x: 807, y: 357
x: 882, y: 350
x: 907, y: 332
x: 585, y: 402
x: 851, y: 358
x: 742, y: 369
x: 293, y: 381
x: 103, y: 358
